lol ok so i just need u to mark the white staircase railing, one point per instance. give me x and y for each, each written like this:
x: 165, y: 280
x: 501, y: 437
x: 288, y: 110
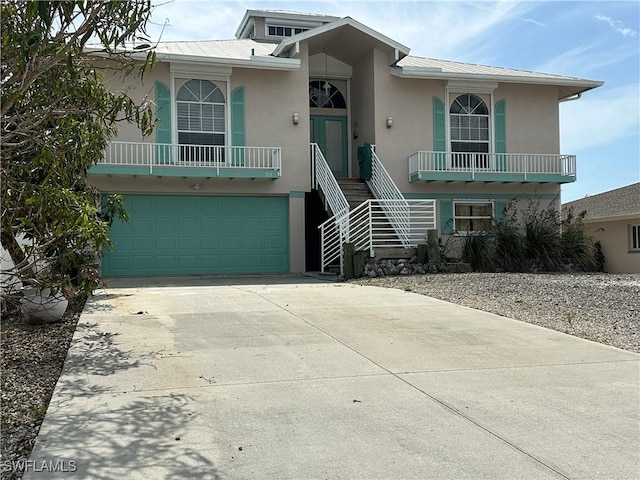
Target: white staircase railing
x: 323, y: 179
x: 384, y: 188
x: 369, y: 226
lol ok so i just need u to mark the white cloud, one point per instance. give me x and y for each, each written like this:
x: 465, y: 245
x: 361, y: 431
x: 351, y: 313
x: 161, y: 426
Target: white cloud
x: 587, y: 58
x: 434, y: 29
x: 618, y: 26
x: 600, y: 118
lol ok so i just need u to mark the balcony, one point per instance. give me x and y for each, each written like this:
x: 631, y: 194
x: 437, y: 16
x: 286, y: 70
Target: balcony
x: 492, y: 167
x: 168, y: 160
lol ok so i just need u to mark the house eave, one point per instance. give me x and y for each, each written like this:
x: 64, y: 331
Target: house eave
x: 401, y: 51
x: 435, y: 73
x: 255, y: 61
x: 612, y: 218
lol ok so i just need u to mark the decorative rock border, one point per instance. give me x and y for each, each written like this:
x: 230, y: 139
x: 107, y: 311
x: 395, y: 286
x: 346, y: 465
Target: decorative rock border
x: 393, y: 267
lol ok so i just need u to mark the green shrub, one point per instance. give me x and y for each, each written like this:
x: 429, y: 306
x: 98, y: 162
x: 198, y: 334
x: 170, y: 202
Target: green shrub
x: 576, y: 245
x: 542, y: 236
x: 598, y: 256
x: 541, y: 239
x: 509, y: 247
x: 478, y: 250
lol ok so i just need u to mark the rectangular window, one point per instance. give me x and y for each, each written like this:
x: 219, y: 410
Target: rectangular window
x: 634, y: 238
x: 275, y: 31
x: 472, y: 216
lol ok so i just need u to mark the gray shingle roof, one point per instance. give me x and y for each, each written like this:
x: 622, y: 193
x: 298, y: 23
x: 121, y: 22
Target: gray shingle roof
x: 618, y: 202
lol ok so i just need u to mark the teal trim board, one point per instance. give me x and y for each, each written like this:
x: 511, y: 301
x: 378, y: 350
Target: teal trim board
x: 186, y: 172
x: 199, y: 235
x: 473, y: 196
x: 296, y: 194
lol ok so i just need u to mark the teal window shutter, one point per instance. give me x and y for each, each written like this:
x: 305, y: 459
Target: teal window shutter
x: 500, y: 126
x: 439, y: 133
x: 499, y: 207
x: 237, y: 125
x: 446, y: 217
x: 163, y: 125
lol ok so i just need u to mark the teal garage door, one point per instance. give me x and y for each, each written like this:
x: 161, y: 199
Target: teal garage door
x: 199, y: 235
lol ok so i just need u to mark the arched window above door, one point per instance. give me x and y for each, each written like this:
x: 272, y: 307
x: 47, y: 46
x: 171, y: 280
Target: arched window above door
x: 323, y: 94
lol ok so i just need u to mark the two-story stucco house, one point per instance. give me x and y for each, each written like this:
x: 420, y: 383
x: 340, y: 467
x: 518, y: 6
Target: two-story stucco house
x: 261, y: 138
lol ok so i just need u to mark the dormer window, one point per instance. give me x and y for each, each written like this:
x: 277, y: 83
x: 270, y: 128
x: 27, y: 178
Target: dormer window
x: 284, y: 31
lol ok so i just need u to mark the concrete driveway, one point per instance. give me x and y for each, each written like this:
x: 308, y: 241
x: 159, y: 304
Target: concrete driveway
x: 290, y: 377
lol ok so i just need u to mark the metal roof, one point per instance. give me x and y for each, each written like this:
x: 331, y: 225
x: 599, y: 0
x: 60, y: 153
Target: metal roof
x: 623, y: 201
x: 274, y: 55
x: 419, y: 67
x: 230, y: 49
x: 244, y: 53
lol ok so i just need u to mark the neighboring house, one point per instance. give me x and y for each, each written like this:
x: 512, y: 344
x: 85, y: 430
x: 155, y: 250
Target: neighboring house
x: 613, y: 218
x: 232, y: 180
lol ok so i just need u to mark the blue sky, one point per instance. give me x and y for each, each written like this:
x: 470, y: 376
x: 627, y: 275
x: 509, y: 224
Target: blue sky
x: 597, y: 40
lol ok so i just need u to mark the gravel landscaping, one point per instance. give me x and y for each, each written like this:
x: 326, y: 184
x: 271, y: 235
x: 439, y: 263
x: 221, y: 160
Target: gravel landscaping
x: 32, y: 360
x: 600, y: 307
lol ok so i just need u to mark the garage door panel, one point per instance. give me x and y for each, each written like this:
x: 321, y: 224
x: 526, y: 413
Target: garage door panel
x: 188, y: 242
x: 142, y: 224
x: 186, y: 261
x: 177, y: 234
x: 271, y: 261
x: 142, y: 245
x: 142, y: 262
x: 166, y: 243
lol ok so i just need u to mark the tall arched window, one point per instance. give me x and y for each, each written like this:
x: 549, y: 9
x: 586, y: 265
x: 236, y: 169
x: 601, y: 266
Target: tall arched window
x: 469, y: 128
x: 201, y: 113
x: 323, y: 94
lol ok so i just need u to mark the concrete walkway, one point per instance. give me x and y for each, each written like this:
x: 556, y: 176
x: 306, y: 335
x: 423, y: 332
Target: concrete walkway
x: 289, y: 377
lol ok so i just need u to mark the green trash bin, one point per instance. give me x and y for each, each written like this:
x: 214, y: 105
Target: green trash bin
x: 365, y: 156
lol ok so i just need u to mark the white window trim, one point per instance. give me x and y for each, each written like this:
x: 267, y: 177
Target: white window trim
x: 213, y: 74
x: 463, y: 233
x: 455, y: 88
x: 630, y: 238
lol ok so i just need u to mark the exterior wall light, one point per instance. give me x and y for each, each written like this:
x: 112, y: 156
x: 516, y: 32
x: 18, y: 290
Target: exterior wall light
x: 296, y: 118
x: 389, y: 122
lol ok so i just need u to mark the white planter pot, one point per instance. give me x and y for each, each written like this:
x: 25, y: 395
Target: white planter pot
x: 42, y: 306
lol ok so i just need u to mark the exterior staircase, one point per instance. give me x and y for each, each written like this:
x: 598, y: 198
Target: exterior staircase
x: 370, y: 214
x: 355, y: 190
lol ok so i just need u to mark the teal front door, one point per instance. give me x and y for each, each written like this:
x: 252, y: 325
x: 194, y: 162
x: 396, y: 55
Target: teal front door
x: 330, y: 133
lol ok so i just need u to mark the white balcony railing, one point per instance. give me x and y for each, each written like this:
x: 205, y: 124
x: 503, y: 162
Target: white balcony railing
x: 520, y: 164
x: 138, y: 154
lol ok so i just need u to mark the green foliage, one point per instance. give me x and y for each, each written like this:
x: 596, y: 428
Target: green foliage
x: 538, y: 240
x: 542, y: 236
x: 57, y: 118
x: 598, y: 255
x: 576, y: 246
x: 479, y: 251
